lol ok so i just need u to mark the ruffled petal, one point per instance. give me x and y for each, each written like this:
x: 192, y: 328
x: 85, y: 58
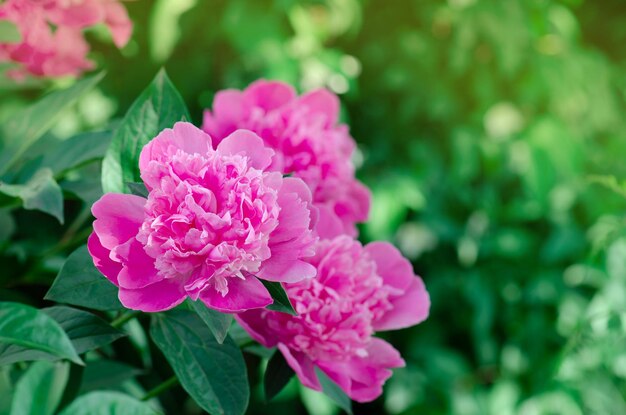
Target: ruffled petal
x: 249, y: 144
x: 321, y: 101
x: 139, y: 270
x: 254, y: 323
x: 268, y: 95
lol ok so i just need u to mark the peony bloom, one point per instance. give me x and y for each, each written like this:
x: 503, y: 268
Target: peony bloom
x: 213, y: 222
x: 52, y: 43
x: 358, y: 291
x: 308, y: 142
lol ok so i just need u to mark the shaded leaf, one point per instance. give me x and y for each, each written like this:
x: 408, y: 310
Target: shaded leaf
x: 333, y: 391
x: 213, y: 374
x: 22, y: 130
x: 80, y: 283
x: 106, y: 374
x: 277, y: 374
x: 40, y: 192
x: 77, y: 150
x: 138, y: 189
x: 218, y: 323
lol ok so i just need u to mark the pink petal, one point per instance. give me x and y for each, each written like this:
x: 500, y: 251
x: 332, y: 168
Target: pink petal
x: 395, y: 270
x: 139, y: 270
x: 323, y: 102
x: 409, y: 309
x: 302, y: 365
x: 289, y: 271
x: 268, y: 95
x: 329, y: 225
x: 369, y: 373
x: 160, y: 296
x: 116, y: 18
x: 101, y: 260
x: 248, y: 144
x: 243, y: 294
x: 184, y: 136
x: 118, y: 218
x: 254, y: 323
x: 227, y: 114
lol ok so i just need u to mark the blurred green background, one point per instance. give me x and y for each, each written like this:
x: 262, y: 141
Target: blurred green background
x: 492, y: 134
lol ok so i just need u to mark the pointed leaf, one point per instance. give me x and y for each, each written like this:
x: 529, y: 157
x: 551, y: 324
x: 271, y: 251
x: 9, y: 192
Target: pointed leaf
x: 277, y: 374
x: 213, y: 374
x: 30, y: 328
x: 333, y: 391
x: 281, y: 301
x: 41, y: 192
x: 22, y: 130
x: 218, y: 323
x: 158, y: 107
x: 80, y: 283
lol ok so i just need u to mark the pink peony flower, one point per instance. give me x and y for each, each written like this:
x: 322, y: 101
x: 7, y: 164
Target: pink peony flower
x: 358, y: 291
x: 52, y: 42
x: 213, y: 222
x: 308, y: 142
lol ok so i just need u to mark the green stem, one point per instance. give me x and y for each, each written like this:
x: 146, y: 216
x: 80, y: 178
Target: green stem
x: 124, y: 318
x: 160, y: 388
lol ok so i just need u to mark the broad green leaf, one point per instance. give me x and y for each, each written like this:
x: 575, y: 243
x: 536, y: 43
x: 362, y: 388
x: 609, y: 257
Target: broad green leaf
x: 138, y: 189
x: 9, y: 33
x: 277, y: 375
x: 86, y: 331
x: 80, y: 149
x: 213, y: 374
x: 160, y: 106
x: 23, y: 129
x: 7, y: 225
x: 281, y: 301
x: 107, y: 403
x: 218, y: 323
x: 39, y: 390
x: 41, y: 192
x: 80, y: 283
x: 28, y: 327
x: 333, y: 391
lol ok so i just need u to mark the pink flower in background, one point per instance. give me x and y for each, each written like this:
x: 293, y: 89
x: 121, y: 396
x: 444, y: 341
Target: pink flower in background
x: 308, y: 142
x: 213, y: 222
x: 52, y: 43
x: 358, y: 291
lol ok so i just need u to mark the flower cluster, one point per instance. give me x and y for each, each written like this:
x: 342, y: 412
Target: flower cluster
x: 269, y: 193
x: 308, y: 142
x: 52, y: 42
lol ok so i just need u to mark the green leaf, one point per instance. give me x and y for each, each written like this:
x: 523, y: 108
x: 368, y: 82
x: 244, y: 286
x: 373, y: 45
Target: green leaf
x: 281, y: 301
x: 80, y: 283
x: 333, y: 391
x: 22, y: 130
x: 277, y: 374
x: 160, y: 106
x: 138, y: 189
x: 39, y: 390
x: 31, y: 328
x: 9, y: 33
x: 86, y: 331
x: 40, y: 192
x: 213, y: 374
x: 75, y: 151
x: 106, y: 374
x: 218, y: 323
x: 107, y: 403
